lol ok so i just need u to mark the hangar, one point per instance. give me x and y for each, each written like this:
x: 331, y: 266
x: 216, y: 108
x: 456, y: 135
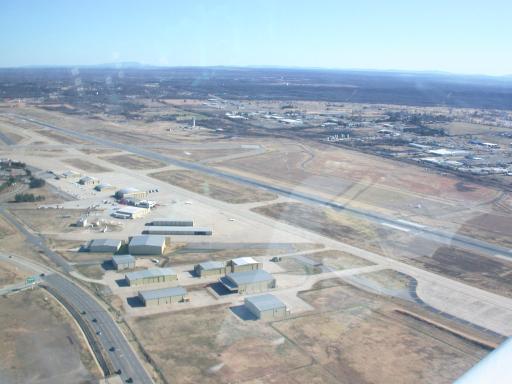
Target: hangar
x: 130, y: 192
x: 163, y: 296
x: 160, y: 230
x: 147, y: 245
x: 249, y: 281
x: 88, y: 180
x: 104, y: 187
x: 151, y: 276
x: 104, y: 245
x: 172, y: 223
x: 130, y: 212
x: 123, y: 262
x: 266, y: 307
x: 210, y: 268
x: 241, y: 264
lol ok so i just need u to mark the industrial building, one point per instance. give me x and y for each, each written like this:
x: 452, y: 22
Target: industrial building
x: 172, y: 223
x: 266, y: 307
x: 70, y: 175
x: 210, y: 268
x: 104, y: 245
x: 242, y: 264
x: 151, y: 276
x: 159, y: 230
x: 121, y: 262
x: 249, y: 281
x: 163, y: 296
x: 104, y: 187
x: 130, y: 192
x: 147, y: 245
x: 130, y: 213
x: 88, y: 180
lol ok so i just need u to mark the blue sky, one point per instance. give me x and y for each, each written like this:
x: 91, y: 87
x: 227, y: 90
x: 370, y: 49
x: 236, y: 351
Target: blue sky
x: 451, y: 35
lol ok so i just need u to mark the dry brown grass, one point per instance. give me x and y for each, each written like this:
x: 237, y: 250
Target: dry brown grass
x: 86, y: 165
x: 134, y: 162
x: 214, y: 187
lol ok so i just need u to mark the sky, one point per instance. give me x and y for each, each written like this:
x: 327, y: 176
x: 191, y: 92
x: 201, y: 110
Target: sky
x: 470, y: 37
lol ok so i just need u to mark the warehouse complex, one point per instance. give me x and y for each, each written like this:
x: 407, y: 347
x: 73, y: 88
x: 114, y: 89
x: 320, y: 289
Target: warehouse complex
x: 151, y: 276
x: 210, y: 268
x: 165, y: 230
x: 147, y: 245
x: 121, y: 262
x: 172, y: 223
x: 249, y: 281
x: 130, y: 213
x: 104, y: 245
x: 163, y: 296
x: 242, y: 264
x: 266, y: 307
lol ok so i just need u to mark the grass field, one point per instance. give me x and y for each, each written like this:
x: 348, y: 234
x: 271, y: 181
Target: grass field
x: 214, y: 187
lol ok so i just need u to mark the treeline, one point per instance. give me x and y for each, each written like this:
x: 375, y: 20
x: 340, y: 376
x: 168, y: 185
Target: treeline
x: 27, y: 198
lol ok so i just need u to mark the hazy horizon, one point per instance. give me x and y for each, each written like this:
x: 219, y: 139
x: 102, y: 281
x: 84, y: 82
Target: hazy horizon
x: 459, y: 37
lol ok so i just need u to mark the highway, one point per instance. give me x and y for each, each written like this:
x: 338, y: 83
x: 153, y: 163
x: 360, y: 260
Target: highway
x: 397, y: 224
x: 88, y: 312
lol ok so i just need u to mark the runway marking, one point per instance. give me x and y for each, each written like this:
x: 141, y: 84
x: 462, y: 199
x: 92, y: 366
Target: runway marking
x: 395, y: 227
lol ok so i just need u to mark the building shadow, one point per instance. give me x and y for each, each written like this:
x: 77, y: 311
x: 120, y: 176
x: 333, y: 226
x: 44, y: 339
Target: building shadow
x: 107, y: 265
x: 134, y: 302
x: 243, y: 313
x: 122, y: 283
x: 220, y: 289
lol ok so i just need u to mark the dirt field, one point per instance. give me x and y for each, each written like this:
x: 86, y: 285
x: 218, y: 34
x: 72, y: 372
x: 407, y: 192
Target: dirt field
x: 40, y: 343
x: 185, y: 256
x: 490, y: 227
x: 214, y: 187
x: 48, y: 220
x: 212, y: 345
x: 356, y: 337
x: 326, y: 222
x: 92, y: 271
x: 86, y: 165
x: 339, y: 260
x: 334, y: 171
x: 134, y: 162
x: 58, y: 137
x: 10, y: 274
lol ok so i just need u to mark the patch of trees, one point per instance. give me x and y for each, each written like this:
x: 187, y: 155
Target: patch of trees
x: 27, y: 198
x: 426, y: 131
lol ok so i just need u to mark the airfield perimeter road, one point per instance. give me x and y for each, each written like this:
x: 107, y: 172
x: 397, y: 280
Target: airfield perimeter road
x: 416, y: 229
x: 123, y: 358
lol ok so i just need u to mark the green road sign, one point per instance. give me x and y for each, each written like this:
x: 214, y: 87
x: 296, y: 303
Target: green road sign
x: 30, y: 280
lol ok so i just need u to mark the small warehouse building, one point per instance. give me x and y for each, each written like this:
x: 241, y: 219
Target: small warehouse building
x: 163, y: 296
x: 210, y: 268
x: 151, y: 276
x: 130, y: 192
x: 266, y: 307
x: 88, y: 180
x: 130, y: 213
x: 241, y: 264
x: 172, y: 223
x: 121, y: 262
x: 104, y: 245
x: 176, y: 231
x: 147, y: 245
x: 249, y: 281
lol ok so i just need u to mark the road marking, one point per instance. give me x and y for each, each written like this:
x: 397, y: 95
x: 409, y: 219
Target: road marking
x: 395, y: 227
